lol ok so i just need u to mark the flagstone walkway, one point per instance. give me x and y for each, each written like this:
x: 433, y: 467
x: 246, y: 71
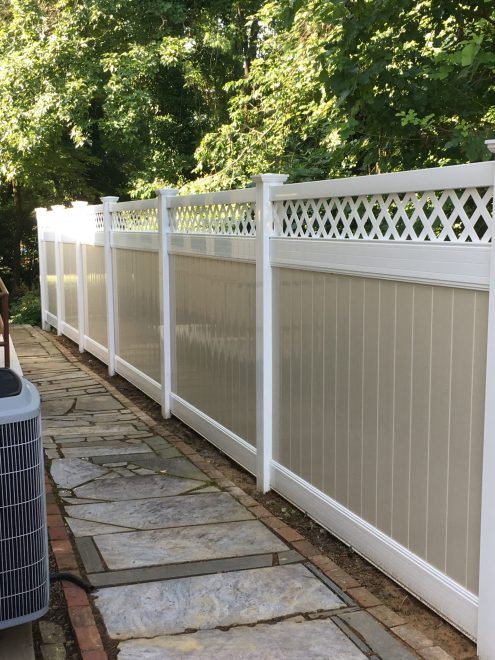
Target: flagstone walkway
x: 182, y: 568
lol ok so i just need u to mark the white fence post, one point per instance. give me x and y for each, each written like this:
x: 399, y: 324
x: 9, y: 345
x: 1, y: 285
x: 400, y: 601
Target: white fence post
x: 165, y: 297
x: 107, y: 231
x: 264, y: 331
x: 486, y: 598
x: 80, y: 209
x: 40, y: 223
x: 58, y: 210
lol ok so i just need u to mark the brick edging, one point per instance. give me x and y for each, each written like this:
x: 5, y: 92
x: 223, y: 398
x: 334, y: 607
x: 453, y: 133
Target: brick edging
x: 81, y: 616
x: 362, y: 597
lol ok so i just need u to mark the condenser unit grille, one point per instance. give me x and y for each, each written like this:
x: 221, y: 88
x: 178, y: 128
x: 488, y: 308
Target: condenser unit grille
x: 23, y: 545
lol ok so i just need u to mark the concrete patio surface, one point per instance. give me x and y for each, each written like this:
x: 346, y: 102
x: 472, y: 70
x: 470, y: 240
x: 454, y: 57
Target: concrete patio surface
x: 182, y: 568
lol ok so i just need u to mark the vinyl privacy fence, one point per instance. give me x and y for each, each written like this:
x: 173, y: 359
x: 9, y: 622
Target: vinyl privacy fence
x: 336, y: 338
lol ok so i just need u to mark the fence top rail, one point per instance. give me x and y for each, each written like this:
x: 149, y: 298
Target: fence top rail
x: 438, y: 178
x: 244, y: 195
x: 134, y: 205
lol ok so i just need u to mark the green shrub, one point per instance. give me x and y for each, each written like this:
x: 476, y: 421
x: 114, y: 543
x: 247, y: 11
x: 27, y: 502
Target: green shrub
x: 26, y: 308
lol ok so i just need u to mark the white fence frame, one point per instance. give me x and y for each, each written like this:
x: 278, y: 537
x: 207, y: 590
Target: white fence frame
x: 463, y: 264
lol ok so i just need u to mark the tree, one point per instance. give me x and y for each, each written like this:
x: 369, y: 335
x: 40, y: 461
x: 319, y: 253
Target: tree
x: 108, y: 96
x: 355, y: 87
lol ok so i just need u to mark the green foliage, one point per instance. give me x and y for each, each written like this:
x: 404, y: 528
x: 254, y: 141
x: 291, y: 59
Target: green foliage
x: 359, y: 87
x: 26, y: 308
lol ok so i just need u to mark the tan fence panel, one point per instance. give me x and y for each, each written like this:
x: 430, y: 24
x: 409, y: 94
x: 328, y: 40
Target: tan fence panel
x: 51, y: 277
x: 95, y: 296
x: 214, y: 366
x: 379, y: 399
x: 137, y: 310
x: 70, y: 284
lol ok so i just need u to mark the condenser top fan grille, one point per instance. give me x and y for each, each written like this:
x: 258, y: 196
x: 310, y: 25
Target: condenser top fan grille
x: 10, y: 383
x: 24, y: 582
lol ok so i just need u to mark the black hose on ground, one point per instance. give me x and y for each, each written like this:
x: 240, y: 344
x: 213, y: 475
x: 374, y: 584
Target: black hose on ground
x: 75, y: 579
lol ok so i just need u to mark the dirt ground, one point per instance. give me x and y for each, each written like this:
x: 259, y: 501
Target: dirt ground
x: 58, y: 614
x: 399, y: 600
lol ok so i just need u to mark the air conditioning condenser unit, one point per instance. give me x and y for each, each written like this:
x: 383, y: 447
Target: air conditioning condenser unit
x: 24, y: 576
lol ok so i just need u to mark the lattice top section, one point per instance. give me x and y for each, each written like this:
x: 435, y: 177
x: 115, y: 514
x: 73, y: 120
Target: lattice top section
x: 448, y: 215
x: 233, y: 219
x: 135, y: 220
x: 98, y: 220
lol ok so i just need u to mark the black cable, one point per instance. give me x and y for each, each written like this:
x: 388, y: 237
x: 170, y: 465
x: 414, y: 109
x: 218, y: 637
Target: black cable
x: 75, y: 579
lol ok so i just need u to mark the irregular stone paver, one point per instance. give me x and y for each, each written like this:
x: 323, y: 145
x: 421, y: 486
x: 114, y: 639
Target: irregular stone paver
x: 154, y: 573
x: 159, y: 513
x: 97, y: 402
x: 139, y: 487
x: 72, y: 472
x: 376, y: 636
x: 56, y: 407
x: 178, y: 467
x: 97, y: 429
x: 281, y: 641
x: 208, y: 601
x: 91, y: 450
x: 89, y: 528
x: 117, y: 458
x: 171, y: 546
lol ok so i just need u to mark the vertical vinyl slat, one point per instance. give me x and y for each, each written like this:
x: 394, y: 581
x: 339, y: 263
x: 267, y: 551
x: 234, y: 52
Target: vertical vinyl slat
x: 342, y: 375
x: 421, y: 401
x: 370, y: 407
x: 385, y: 405
x: 330, y: 426
x: 356, y: 363
x: 475, y: 466
x: 402, y: 425
x: 439, y: 426
x: 318, y: 401
x: 306, y: 391
x: 460, y: 423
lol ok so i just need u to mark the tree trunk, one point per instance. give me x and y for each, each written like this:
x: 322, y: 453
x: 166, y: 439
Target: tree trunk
x: 18, y: 232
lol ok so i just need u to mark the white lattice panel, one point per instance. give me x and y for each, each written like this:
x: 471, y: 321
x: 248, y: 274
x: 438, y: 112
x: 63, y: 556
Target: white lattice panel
x: 135, y: 220
x: 448, y: 215
x: 234, y: 219
x: 98, y: 221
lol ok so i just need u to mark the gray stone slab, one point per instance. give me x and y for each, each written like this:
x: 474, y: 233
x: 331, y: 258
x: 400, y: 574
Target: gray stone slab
x: 96, y: 429
x: 92, y: 450
x: 199, y: 490
x: 208, y: 601
x: 163, y: 512
x: 289, y: 557
x: 169, y: 453
x: 73, y: 500
x: 81, y: 442
x: 181, y: 544
x: 97, y: 402
x: 72, y: 472
x: 287, y: 640
x: 152, y: 573
x: 75, y: 442
x: 135, y: 487
x: 89, y: 555
x: 56, y: 407
x: 376, y: 636
x: 157, y: 442
x: 81, y: 528
x: 178, y: 467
